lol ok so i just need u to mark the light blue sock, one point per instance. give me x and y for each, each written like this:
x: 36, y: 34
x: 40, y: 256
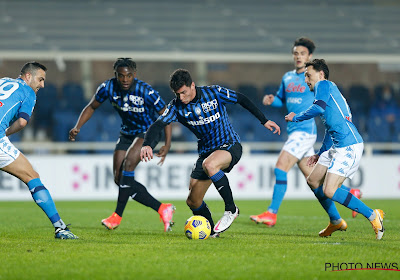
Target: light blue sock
x: 43, y: 199
x: 279, y: 190
x: 350, y: 201
x: 327, y: 204
x: 343, y: 187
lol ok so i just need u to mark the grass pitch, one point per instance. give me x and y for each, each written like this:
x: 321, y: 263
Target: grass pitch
x: 139, y: 249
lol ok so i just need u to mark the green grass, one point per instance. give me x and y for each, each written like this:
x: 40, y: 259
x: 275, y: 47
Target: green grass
x: 139, y: 249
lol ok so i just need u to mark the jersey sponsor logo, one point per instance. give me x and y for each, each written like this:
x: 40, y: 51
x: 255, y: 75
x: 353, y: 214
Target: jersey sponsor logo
x: 295, y: 100
x: 128, y: 108
x: 204, y: 121
x: 137, y: 100
x: 209, y: 106
x: 291, y: 87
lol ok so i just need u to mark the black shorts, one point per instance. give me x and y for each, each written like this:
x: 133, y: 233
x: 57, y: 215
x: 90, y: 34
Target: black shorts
x: 125, y: 141
x: 234, y: 149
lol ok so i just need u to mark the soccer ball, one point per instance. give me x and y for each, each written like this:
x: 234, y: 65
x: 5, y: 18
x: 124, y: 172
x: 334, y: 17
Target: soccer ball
x: 197, y: 227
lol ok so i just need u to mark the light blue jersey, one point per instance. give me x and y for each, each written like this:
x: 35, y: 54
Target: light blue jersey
x: 17, y: 100
x: 335, y: 113
x: 296, y: 94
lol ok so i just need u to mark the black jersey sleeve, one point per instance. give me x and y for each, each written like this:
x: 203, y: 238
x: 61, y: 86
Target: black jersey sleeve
x: 150, y: 138
x: 246, y: 103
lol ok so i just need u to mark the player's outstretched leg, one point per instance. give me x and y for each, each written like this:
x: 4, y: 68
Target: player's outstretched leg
x: 356, y: 192
x: 350, y: 201
x: 43, y: 199
x: 125, y: 190
x: 129, y: 187
x: 231, y: 210
x: 336, y: 222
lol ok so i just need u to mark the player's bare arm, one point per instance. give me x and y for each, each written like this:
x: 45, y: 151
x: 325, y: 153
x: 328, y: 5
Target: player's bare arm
x: 268, y: 99
x: 272, y: 126
x: 16, y: 126
x: 85, y: 115
x: 162, y: 153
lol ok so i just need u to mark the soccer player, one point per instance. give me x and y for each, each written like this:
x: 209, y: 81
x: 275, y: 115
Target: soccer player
x: 18, y: 98
x: 202, y: 110
x: 299, y: 146
x: 341, y: 151
x: 136, y: 103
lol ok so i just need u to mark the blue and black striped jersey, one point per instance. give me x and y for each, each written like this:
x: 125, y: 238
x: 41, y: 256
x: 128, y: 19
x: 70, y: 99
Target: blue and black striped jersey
x: 205, y: 116
x: 137, y: 107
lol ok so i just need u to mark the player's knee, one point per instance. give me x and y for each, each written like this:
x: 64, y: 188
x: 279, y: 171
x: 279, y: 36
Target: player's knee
x: 312, y: 183
x: 208, y: 166
x: 193, y: 203
x: 190, y: 203
x: 329, y: 192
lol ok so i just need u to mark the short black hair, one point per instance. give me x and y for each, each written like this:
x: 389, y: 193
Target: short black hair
x: 305, y: 42
x: 180, y: 78
x: 125, y: 62
x: 319, y: 65
x: 32, y: 67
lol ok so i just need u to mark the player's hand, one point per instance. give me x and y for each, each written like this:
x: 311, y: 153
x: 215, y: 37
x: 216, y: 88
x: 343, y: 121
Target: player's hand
x: 72, y: 133
x: 312, y: 160
x: 162, y: 153
x: 289, y: 117
x: 146, y: 153
x: 271, y: 125
x: 268, y: 99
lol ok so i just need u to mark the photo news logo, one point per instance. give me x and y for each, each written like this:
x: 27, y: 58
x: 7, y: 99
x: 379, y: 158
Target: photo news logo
x: 346, y: 266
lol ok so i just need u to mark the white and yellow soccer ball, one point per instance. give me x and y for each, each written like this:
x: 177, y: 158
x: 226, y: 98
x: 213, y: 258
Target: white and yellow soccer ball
x: 197, y: 227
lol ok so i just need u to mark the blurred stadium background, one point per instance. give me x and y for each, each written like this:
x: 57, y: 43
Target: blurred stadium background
x: 243, y: 45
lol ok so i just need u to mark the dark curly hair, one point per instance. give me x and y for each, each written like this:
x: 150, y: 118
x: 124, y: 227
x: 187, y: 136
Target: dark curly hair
x: 125, y: 62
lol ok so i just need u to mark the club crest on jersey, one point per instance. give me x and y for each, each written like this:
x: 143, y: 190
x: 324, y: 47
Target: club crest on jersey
x: 209, y: 106
x: 198, y: 111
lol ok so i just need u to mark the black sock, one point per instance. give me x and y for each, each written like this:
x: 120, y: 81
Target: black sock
x: 205, y: 212
x: 140, y: 193
x: 221, y: 183
x: 123, y: 196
